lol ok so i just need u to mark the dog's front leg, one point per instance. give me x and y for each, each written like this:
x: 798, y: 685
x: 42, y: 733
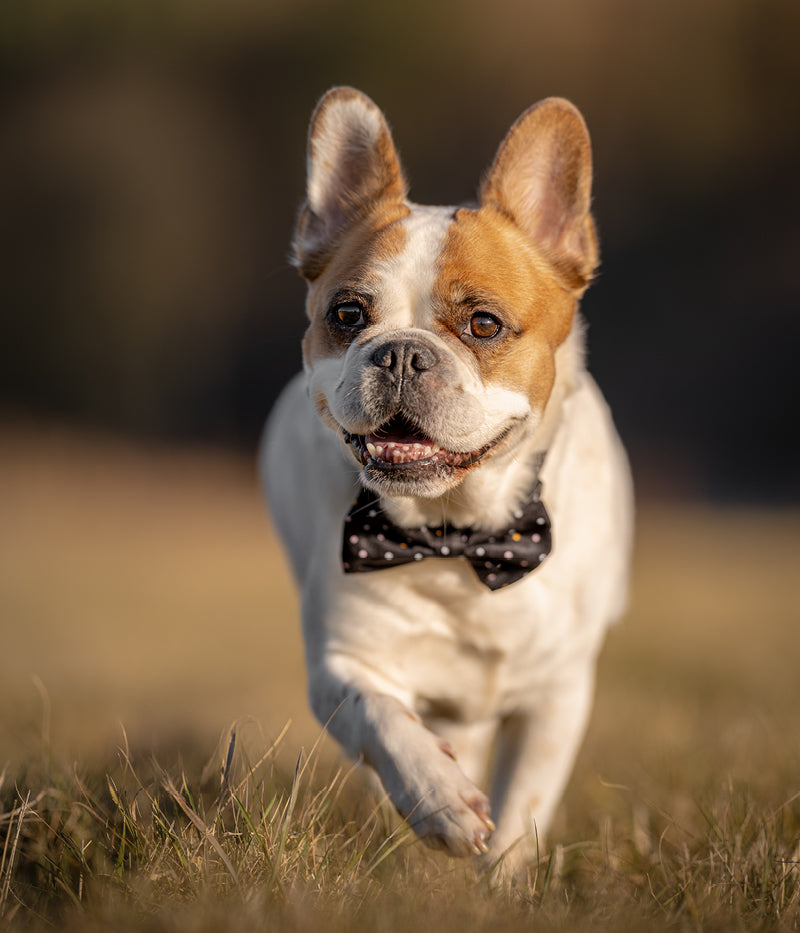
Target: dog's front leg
x: 417, y: 769
x: 535, y: 751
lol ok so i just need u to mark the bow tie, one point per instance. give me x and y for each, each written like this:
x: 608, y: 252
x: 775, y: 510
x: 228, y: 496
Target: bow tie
x: 371, y: 541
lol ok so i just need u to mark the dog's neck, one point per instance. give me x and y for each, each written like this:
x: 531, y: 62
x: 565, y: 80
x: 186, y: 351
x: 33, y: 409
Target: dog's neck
x: 491, y: 492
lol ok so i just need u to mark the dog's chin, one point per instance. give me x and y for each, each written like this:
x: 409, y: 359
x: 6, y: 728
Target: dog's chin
x: 400, y: 460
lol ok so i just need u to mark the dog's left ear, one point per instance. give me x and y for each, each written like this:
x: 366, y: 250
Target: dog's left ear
x: 541, y: 179
x: 352, y: 168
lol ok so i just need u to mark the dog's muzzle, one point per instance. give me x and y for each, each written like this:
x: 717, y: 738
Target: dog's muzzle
x: 404, y: 384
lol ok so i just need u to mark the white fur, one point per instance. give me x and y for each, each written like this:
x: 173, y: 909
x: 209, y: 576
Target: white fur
x: 409, y: 277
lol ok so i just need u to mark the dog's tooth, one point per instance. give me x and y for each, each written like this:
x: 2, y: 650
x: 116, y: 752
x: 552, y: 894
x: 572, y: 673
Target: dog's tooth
x: 397, y: 452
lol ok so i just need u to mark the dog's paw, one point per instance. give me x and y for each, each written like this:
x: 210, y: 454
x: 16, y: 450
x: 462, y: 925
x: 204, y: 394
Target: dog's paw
x: 437, y: 799
x: 461, y: 825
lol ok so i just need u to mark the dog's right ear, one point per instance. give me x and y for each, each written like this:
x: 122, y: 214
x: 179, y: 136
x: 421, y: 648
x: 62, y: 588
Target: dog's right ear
x: 352, y: 166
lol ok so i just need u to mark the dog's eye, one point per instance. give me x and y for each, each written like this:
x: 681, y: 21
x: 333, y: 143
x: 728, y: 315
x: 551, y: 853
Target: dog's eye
x: 348, y: 314
x: 483, y: 326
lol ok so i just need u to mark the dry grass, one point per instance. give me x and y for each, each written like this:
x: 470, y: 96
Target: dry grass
x: 146, y: 588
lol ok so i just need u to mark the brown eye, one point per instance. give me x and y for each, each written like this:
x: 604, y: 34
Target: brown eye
x: 483, y: 326
x: 349, y: 314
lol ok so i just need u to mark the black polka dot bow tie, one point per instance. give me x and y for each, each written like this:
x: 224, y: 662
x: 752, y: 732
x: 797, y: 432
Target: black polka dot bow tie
x: 371, y: 541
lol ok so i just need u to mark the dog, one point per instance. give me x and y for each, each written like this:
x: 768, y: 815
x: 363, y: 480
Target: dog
x: 446, y: 476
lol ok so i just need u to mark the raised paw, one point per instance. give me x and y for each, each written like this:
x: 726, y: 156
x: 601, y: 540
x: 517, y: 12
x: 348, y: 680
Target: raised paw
x: 424, y: 781
x: 441, y: 804
x: 460, y: 825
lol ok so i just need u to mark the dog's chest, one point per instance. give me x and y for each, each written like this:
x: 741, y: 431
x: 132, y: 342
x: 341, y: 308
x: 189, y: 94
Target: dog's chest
x: 447, y: 641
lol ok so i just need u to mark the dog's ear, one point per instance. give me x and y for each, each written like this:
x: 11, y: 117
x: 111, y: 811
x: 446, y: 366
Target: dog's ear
x: 541, y: 178
x: 352, y: 167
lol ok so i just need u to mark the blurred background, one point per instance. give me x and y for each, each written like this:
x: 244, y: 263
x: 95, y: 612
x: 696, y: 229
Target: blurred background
x: 151, y: 165
x: 152, y: 160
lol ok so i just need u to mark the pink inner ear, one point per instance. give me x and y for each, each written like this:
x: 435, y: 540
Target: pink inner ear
x: 542, y: 203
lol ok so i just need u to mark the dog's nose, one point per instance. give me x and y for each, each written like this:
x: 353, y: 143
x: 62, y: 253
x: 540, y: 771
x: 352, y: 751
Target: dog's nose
x: 405, y: 357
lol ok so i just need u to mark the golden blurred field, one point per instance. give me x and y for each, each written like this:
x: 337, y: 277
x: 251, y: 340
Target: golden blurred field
x: 144, y: 588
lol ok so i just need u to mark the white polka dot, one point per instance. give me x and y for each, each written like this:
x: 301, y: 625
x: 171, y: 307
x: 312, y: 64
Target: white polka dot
x: 417, y: 555
x: 536, y: 538
x: 480, y: 551
x: 354, y: 539
x: 540, y: 521
x: 517, y: 514
x: 362, y: 553
x: 508, y: 555
x: 542, y: 556
x: 444, y: 550
x: 372, y: 513
x: 380, y: 537
x: 388, y: 555
x: 492, y: 577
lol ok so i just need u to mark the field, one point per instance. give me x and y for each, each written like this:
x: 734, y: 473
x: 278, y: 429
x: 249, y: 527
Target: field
x: 147, y: 616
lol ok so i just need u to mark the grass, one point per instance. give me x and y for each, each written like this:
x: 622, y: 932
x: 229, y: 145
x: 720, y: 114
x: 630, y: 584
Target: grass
x: 145, y: 587
x: 269, y: 848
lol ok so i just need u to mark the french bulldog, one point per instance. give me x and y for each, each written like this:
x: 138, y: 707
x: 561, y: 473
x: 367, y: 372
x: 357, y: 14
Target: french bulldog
x: 446, y: 476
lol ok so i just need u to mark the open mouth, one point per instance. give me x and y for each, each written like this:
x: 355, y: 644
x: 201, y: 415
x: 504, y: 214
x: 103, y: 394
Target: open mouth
x: 400, y: 444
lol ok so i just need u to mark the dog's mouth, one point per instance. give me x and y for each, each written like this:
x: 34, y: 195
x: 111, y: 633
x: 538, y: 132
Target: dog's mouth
x: 399, y: 444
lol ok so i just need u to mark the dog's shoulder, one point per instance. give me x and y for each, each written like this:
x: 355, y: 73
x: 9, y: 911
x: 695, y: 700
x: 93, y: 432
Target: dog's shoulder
x: 589, y: 492
x: 303, y: 473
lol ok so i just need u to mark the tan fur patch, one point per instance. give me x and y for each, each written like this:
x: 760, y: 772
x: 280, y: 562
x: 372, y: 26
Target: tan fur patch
x: 352, y: 268
x: 488, y: 263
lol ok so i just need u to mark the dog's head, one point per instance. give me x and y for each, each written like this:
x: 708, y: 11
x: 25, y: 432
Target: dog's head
x: 433, y: 331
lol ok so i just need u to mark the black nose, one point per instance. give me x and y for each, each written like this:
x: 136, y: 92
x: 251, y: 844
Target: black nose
x: 405, y: 357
